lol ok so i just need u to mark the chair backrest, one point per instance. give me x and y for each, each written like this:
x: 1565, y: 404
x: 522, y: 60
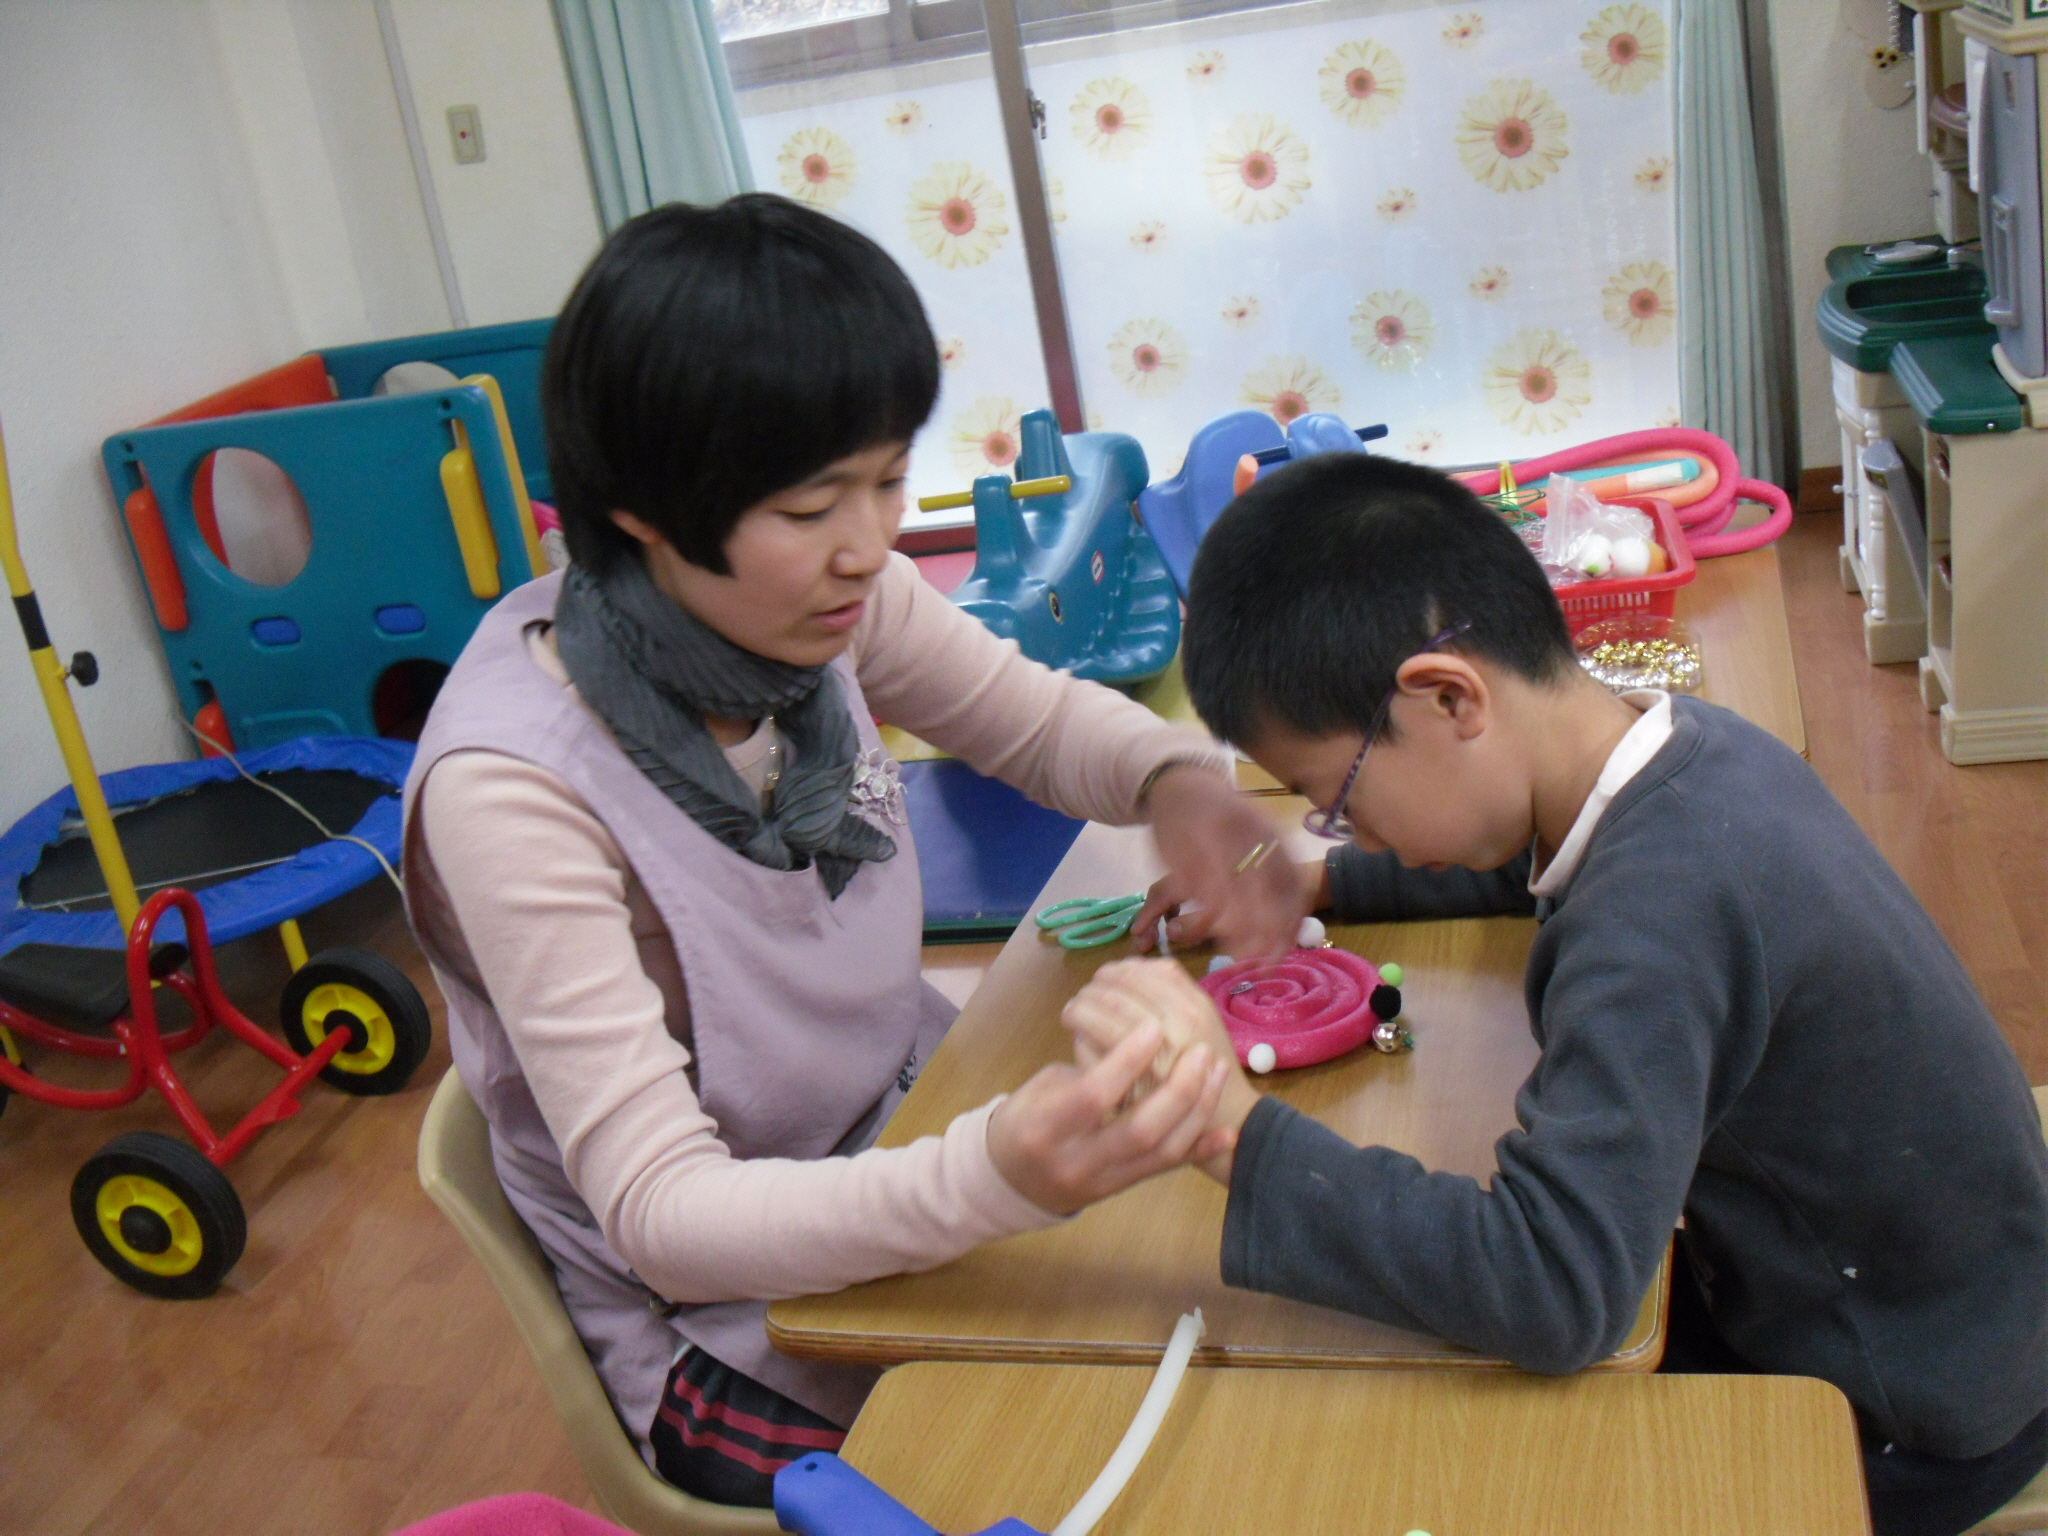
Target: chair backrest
x: 457, y: 1174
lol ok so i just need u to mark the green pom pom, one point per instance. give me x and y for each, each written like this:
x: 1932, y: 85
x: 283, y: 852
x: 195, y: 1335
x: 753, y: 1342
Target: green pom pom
x: 1390, y: 973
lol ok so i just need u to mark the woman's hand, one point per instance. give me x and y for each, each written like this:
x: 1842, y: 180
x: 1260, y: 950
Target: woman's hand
x: 1070, y: 1136
x: 1189, y: 922
x: 1222, y: 852
x: 1130, y: 1000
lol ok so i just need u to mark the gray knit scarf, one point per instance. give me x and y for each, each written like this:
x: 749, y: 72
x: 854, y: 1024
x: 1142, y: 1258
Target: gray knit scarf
x: 653, y: 672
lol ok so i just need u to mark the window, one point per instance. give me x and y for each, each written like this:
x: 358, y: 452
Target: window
x: 1453, y: 219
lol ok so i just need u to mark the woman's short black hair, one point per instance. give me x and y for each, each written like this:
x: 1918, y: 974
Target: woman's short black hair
x: 1317, y: 583
x: 710, y: 357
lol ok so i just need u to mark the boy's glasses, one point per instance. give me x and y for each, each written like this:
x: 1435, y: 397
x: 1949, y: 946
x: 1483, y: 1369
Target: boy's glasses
x: 1334, y: 823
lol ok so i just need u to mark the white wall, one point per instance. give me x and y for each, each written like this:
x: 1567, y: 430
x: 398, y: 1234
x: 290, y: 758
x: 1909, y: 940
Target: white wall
x: 522, y: 222
x: 1851, y: 175
x: 137, y: 272
x: 192, y: 191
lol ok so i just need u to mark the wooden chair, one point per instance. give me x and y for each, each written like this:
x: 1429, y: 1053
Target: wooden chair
x: 456, y: 1172
x: 2028, y: 1510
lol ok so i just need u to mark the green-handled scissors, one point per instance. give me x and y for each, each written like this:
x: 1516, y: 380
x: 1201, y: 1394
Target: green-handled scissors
x: 1089, y: 922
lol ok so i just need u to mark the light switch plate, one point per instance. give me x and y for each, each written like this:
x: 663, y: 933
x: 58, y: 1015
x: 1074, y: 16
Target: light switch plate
x: 466, y: 130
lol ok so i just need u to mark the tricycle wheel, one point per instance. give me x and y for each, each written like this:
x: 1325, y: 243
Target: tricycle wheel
x: 159, y: 1216
x: 368, y: 996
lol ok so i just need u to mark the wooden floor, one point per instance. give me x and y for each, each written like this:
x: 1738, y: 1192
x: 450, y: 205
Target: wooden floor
x: 357, y: 1372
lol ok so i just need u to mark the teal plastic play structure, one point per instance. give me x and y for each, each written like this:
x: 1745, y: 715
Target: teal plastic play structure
x: 508, y: 353
x: 356, y: 643
x: 1072, y: 577
x: 1177, y: 512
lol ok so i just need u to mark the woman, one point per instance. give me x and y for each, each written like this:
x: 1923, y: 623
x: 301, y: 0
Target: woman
x: 660, y: 865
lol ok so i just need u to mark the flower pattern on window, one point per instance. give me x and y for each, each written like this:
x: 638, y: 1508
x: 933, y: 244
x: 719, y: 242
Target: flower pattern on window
x: 1362, y: 83
x: 1257, y: 169
x: 1537, y: 382
x: 1241, y: 311
x: 1166, y: 210
x: 985, y: 437
x: 1287, y: 387
x: 1148, y: 357
x: 1391, y: 329
x: 957, y: 215
x: 1624, y: 48
x: 1511, y: 137
x: 1397, y: 206
x: 816, y: 167
x: 1489, y: 285
x: 1464, y: 29
x: 1642, y: 302
x: 1111, y: 117
x: 1669, y: 417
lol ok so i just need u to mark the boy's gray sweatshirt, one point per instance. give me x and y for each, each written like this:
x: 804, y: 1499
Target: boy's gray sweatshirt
x: 1744, y: 1018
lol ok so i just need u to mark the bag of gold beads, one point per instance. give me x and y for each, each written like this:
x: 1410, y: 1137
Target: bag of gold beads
x: 1641, y: 651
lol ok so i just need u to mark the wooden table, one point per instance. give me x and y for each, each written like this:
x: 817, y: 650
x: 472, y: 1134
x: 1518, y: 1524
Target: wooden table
x: 1108, y: 1285
x: 1736, y: 607
x: 1376, y: 1453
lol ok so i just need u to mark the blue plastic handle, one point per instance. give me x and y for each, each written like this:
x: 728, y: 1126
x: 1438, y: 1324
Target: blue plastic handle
x: 822, y: 1496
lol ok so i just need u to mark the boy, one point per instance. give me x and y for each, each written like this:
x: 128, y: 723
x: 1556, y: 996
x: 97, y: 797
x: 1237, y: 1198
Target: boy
x: 1745, y: 1018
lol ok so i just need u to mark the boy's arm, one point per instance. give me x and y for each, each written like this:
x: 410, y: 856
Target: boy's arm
x: 1654, y: 1011
x: 1375, y: 888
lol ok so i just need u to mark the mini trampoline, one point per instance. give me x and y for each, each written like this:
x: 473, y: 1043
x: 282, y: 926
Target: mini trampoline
x: 120, y: 888
x: 253, y: 860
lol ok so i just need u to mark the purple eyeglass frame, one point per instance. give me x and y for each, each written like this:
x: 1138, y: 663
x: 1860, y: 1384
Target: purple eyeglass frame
x: 1333, y: 823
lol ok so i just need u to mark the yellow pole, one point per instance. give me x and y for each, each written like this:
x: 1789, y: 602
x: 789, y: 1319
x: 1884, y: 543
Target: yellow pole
x: 294, y: 942
x: 1023, y: 490
x: 536, y: 557
x: 92, y: 801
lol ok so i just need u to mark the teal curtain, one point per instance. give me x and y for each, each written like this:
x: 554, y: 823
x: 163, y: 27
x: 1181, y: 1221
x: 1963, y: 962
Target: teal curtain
x: 658, y: 117
x: 1729, y: 380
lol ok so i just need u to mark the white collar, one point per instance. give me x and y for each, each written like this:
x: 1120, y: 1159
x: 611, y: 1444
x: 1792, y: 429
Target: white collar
x: 1630, y: 756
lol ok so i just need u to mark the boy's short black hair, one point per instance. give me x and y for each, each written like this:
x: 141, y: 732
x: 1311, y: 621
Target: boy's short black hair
x: 709, y: 357
x: 1318, y: 582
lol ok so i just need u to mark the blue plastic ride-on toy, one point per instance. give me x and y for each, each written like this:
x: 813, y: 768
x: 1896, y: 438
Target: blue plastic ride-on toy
x: 1177, y: 512
x: 1068, y: 573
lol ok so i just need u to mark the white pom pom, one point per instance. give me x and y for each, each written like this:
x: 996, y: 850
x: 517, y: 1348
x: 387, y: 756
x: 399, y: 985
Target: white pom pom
x: 1593, y: 555
x: 1220, y: 963
x: 1311, y: 933
x: 1631, y: 557
x: 1261, y: 1059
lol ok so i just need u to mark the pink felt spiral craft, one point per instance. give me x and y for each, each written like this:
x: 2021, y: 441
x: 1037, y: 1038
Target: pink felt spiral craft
x: 1311, y: 1007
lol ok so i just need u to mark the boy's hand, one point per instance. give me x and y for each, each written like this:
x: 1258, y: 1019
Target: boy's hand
x: 1189, y: 922
x: 1156, y: 1000
x: 1222, y: 852
x: 1068, y: 1137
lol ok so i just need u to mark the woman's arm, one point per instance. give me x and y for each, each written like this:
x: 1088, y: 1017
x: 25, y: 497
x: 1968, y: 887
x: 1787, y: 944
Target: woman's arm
x: 563, y: 943
x: 541, y: 894
x: 939, y: 673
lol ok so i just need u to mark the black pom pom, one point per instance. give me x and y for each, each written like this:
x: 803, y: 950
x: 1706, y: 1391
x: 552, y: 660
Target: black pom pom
x: 1386, y: 1002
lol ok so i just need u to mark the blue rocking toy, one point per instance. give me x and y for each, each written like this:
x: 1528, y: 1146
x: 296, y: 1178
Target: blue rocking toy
x: 1062, y: 566
x: 1177, y: 512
